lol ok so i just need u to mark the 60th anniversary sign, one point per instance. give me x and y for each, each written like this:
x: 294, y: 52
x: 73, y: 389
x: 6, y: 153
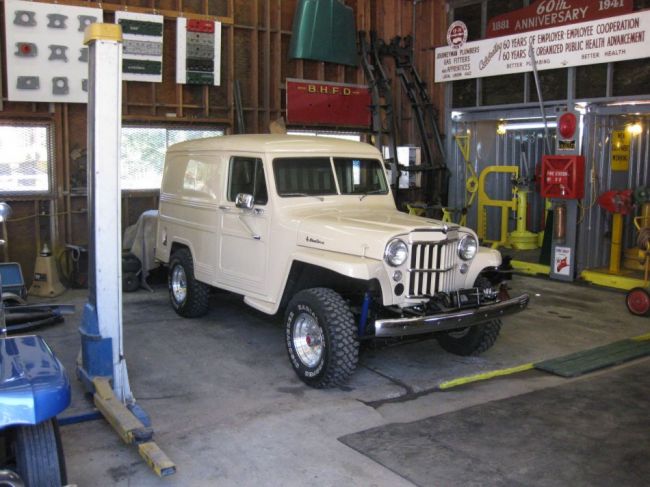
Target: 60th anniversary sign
x: 600, y: 41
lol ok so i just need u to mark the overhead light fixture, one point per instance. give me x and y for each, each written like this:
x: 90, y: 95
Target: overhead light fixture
x: 530, y: 125
x: 501, y: 128
x: 635, y: 128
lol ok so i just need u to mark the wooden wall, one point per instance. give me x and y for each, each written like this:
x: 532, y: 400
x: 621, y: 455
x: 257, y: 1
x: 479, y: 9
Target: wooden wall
x: 255, y: 43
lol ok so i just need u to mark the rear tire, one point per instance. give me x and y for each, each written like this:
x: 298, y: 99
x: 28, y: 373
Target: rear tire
x: 39, y: 455
x: 321, y: 338
x: 189, y: 297
x: 130, y: 282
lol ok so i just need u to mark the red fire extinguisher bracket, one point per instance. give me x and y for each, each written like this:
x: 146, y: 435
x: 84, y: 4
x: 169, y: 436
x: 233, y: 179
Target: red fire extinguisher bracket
x: 563, y: 177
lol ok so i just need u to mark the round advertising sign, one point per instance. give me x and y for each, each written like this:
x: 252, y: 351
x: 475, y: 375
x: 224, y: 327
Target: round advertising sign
x: 457, y: 34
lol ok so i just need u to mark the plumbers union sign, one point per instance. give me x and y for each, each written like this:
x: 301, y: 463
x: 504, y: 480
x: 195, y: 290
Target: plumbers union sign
x: 599, y: 41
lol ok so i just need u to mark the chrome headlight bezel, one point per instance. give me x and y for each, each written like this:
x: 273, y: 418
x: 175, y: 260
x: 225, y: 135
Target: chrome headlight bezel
x: 396, y: 252
x: 467, y: 247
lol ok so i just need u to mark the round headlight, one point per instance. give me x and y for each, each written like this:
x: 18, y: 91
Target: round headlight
x: 396, y: 252
x: 467, y: 247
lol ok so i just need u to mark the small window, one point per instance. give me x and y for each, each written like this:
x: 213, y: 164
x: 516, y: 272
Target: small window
x: 360, y: 176
x: 304, y: 176
x: 247, y: 176
x: 199, y: 178
x: 26, y: 161
x: 143, y: 153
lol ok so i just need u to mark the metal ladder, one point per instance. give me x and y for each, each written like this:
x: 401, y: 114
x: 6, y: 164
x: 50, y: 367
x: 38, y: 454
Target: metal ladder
x: 384, y: 128
x: 434, y: 165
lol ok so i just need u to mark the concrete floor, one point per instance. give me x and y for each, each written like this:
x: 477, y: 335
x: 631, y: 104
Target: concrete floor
x: 228, y: 410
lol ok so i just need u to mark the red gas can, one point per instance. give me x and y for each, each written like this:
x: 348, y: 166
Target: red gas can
x: 563, y: 177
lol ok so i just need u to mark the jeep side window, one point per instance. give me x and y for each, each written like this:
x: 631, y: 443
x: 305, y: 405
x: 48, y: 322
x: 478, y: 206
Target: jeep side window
x: 246, y: 175
x: 300, y: 176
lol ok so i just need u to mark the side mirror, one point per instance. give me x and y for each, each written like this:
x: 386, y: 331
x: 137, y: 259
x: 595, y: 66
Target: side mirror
x: 245, y: 201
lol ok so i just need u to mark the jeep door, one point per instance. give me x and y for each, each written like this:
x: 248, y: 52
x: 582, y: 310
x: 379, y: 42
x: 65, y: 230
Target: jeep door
x: 243, y: 248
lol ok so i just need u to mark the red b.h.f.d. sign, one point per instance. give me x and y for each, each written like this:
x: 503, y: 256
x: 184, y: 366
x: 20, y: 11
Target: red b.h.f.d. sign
x: 322, y: 103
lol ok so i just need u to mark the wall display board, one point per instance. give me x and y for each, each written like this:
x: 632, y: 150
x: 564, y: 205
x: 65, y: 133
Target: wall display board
x: 600, y: 41
x: 46, y: 58
x: 543, y: 14
x: 318, y: 103
x: 198, y: 52
x: 142, y: 46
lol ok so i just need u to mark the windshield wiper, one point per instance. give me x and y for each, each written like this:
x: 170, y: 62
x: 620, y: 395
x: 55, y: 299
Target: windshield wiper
x: 321, y: 198
x: 374, y: 191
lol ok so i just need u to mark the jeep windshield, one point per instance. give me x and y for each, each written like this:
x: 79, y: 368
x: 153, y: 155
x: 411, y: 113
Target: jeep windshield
x: 321, y: 176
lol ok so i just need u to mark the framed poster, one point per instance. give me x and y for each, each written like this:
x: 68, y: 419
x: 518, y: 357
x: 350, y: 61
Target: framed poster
x: 198, y: 52
x: 46, y: 57
x: 142, y: 46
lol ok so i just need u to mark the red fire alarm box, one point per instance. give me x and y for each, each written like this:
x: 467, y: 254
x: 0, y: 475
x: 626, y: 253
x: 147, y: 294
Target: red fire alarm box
x: 563, y: 177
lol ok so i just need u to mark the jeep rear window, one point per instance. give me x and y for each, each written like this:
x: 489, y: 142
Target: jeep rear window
x: 299, y: 176
x: 360, y: 176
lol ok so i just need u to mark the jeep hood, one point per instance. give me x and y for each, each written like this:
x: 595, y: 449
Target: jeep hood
x: 362, y: 232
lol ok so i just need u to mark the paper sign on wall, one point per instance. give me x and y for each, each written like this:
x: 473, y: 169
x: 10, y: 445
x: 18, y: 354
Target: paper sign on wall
x: 620, y: 150
x: 562, y: 261
x: 142, y: 46
x: 46, y: 57
x: 600, y: 41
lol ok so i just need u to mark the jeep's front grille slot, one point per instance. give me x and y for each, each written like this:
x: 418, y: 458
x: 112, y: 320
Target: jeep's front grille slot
x: 429, y: 268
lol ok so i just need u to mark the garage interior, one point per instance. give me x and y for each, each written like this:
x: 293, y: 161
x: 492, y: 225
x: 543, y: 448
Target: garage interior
x: 217, y: 392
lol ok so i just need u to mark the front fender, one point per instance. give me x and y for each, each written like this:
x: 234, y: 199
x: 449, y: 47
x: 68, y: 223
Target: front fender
x: 484, y: 258
x: 353, y: 266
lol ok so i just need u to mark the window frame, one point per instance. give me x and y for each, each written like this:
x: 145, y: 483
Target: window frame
x: 167, y: 127
x: 50, y: 127
x: 259, y: 163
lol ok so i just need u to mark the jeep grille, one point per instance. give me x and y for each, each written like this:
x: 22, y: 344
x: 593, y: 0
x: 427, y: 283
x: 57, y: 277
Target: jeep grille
x: 432, y: 268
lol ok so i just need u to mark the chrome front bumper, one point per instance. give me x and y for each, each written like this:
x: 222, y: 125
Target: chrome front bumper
x: 395, y: 327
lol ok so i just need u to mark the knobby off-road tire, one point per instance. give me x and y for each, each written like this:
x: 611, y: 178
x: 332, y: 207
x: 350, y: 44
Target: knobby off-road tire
x: 321, y: 338
x: 39, y: 455
x: 471, y: 341
x: 189, y: 297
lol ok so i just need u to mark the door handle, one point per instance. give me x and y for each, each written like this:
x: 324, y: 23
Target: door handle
x: 225, y: 208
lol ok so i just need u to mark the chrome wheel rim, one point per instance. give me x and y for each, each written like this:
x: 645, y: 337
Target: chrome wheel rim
x: 308, y: 339
x: 179, y: 284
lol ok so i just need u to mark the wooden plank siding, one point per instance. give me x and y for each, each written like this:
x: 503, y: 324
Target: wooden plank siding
x: 255, y: 42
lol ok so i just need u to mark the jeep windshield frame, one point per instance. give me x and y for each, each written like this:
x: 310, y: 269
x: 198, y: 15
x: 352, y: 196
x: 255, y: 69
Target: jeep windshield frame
x: 326, y: 176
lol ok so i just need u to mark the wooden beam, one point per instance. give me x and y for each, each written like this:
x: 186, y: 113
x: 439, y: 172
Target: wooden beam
x: 170, y: 14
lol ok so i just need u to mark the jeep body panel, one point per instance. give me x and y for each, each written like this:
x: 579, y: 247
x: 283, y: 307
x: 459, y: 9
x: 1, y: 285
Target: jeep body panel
x: 251, y: 251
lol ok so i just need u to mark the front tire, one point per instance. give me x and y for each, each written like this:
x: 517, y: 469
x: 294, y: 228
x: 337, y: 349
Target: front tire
x: 476, y: 339
x: 321, y: 338
x: 39, y: 455
x: 471, y: 341
x: 189, y: 297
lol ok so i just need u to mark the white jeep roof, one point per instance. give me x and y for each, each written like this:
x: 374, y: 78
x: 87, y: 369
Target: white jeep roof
x: 276, y: 143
